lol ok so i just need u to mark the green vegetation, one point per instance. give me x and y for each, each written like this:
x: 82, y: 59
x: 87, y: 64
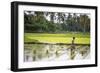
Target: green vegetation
x: 55, y: 22
x: 81, y: 38
x: 56, y: 27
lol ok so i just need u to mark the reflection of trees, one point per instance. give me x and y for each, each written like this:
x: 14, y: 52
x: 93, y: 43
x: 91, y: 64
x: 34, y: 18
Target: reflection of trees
x: 39, y: 52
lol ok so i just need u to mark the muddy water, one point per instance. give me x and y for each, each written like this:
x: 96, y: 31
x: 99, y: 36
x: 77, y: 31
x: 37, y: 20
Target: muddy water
x: 50, y: 52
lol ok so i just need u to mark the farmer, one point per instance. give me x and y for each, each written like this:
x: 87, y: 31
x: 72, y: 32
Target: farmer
x: 72, y: 49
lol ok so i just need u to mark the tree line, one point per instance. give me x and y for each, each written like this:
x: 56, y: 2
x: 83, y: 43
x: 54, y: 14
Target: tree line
x: 55, y: 22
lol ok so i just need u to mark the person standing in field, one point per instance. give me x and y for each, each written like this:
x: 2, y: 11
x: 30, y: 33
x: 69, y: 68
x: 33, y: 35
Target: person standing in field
x: 72, y: 49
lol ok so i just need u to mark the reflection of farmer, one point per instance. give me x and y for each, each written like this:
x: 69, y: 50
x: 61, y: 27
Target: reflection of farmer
x: 34, y: 56
x: 47, y: 53
x: 72, y: 49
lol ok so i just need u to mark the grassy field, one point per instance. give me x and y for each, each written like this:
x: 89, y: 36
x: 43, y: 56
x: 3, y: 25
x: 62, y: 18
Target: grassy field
x: 81, y: 38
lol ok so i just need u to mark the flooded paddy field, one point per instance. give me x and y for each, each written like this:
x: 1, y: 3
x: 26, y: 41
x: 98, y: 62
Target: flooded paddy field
x: 55, y: 52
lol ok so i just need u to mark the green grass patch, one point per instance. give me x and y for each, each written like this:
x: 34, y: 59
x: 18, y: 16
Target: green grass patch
x: 81, y: 38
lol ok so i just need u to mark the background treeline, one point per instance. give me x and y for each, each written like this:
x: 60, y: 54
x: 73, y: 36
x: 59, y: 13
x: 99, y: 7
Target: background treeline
x: 55, y: 22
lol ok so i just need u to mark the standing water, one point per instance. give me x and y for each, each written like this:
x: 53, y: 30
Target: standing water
x: 52, y: 52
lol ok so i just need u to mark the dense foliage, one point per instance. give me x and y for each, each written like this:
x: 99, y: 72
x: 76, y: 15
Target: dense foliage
x: 56, y: 22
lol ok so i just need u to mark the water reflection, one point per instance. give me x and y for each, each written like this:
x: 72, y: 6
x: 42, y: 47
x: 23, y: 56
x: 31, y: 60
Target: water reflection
x: 49, y: 52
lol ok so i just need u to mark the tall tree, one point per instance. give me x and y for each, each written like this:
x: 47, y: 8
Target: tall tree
x: 85, y: 22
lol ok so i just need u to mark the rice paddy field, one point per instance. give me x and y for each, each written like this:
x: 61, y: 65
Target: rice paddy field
x: 66, y: 38
x: 49, y: 52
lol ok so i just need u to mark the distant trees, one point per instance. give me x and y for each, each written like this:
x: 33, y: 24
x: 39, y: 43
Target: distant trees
x: 55, y: 22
